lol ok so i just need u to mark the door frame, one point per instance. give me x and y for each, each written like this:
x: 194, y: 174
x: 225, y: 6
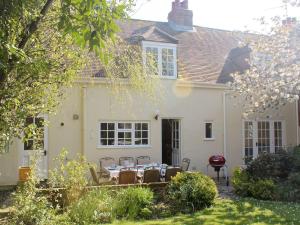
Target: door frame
x: 46, y: 147
x: 180, y: 119
x: 255, y: 135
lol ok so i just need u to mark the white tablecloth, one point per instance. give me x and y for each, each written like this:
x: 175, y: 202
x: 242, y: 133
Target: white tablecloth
x: 114, y: 171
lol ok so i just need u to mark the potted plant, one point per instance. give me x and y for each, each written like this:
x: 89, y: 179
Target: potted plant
x: 24, y: 173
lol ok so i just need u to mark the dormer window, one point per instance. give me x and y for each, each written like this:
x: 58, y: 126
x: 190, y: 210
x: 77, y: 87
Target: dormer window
x: 164, y: 57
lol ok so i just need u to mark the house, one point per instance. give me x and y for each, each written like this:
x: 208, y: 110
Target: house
x: 196, y: 117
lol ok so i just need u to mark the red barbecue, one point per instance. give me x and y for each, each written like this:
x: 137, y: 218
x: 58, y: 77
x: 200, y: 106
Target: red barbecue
x: 217, y: 162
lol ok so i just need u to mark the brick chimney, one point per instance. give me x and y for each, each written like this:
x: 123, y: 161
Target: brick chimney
x: 180, y: 17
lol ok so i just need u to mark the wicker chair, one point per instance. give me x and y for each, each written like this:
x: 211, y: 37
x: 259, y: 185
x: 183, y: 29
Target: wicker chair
x: 143, y: 160
x: 127, y: 177
x: 97, y: 179
x: 126, y: 160
x: 106, y: 162
x: 185, y: 163
x: 171, y: 172
x: 151, y: 175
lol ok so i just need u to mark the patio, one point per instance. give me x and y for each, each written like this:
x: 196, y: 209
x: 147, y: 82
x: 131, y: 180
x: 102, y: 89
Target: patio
x: 132, y: 171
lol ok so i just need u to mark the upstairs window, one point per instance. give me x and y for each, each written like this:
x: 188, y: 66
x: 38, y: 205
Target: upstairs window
x: 163, y: 56
x: 167, y: 62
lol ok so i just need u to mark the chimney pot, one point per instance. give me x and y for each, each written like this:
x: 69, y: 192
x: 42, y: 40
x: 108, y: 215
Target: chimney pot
x: 185, y: 4
x: 180, y: 16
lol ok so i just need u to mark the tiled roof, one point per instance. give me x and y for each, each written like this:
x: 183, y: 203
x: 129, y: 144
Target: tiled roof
x: 204, y: 55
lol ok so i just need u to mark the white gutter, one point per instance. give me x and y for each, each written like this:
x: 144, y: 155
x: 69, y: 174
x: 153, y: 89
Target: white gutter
x: 224, y: 125
x: 297, y: 122
x: 178, y: 83
x: 83, y: 120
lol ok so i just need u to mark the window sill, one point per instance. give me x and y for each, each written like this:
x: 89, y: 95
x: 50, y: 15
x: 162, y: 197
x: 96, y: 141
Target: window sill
x: 168, y: 77
x: 123, y: 147
x: 209, y: 139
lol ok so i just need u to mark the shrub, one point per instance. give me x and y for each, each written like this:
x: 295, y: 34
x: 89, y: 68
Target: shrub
x: 132, y: 203
x: 70, y: 175
x: 191, y: 191
x: 262, y: 189
x: 92, y: 208
x: 271, y: 176
x: 241, y: 182
x: 271, y: 166
x: 290, y: 189
x: 296, y: 159
x: 33, y: 208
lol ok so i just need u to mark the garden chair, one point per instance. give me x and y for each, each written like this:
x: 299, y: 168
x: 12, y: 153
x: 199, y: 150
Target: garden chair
x: 126, y: 161
x: 151, y: 175
x: 171, y: 172
x: 143, y: 160
x: 106, y: 162
x: 185, y: 163
x: 128, y: 176
x: 97, y: 179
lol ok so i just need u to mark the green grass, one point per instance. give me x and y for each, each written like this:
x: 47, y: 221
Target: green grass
x: 243, y: 212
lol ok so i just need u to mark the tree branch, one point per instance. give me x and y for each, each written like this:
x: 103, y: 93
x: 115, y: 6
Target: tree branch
x: 33, y: 26
x: 29, y: 31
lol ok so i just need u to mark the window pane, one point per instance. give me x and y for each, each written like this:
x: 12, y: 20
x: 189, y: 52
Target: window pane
x: 121, y: 125
x: 145, y: 141
x: 103, y: 134
x: 138, y: 134
x: 103, y: 126
x: 121, y: 142
x: 39, y: 122
x: 145, y: 134
x: 111, y: 142
x: 127, y: 125
x: 127, y: 141
x: 39, y: 144
x: 167, y: 62
x: 145, y: 126
x: 138, y: 142
x: 111, y: 134
x: 208, y: 130
x: 120, y: 134
x: 28, y: 145
x: 152, y: 58
x: 103, y: 141
x: 138, y: 126
x: 128, y: 135
x: 111, y: 126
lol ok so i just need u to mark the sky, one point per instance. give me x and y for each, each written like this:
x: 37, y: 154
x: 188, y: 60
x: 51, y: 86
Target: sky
x: 221, y: 14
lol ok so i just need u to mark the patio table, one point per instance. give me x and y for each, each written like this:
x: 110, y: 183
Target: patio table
x: 114, y: 171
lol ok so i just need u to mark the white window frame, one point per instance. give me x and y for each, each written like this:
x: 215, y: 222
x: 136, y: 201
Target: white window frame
x: 212, y: 131
x: 117, y: 129
x: 255, y: 135
x: 160, y: 46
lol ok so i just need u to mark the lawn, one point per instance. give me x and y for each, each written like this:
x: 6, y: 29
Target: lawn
x: 245, y: 211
